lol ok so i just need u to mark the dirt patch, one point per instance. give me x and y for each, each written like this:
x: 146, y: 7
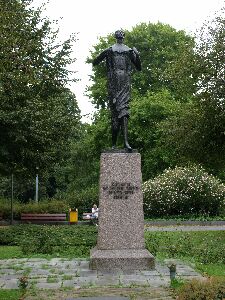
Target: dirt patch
x: 134, y: 293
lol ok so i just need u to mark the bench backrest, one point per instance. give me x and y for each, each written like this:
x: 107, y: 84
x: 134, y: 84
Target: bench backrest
x: 52, y: 217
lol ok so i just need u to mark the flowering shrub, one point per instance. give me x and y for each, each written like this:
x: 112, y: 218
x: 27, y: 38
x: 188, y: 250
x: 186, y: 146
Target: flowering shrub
x: 183, y: 191
x: 212, y: 288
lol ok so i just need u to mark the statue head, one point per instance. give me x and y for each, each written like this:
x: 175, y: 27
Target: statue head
x: 119, y: 34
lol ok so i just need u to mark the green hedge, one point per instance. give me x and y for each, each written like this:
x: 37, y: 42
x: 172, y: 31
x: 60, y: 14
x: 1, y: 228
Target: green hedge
x: 44, y: 206
x: 184, y: 191
x: 44, y: 239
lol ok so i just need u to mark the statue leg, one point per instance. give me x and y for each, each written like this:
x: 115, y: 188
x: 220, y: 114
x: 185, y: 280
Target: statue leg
x: 115, y: 131
x: 125, y: 133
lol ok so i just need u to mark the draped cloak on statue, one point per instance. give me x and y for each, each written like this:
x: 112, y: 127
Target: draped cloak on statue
x: 119, y: 60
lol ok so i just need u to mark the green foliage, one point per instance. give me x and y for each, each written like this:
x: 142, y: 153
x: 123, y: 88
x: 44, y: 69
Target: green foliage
x: 146, y: 114
x: 199, y: 247
x: 197, y: 133
x: 78, y: 177
x: 44, y: 206
x: 84, y: 199
x: 75, y: 241
x: 211, y: 289
x: 37, y: 111
x: 183, y: 190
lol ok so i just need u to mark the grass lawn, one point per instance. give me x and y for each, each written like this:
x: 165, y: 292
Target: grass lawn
x: 202, y: 246
x: 212, y: 269
x: 10, y: 294
x: 7, y: 252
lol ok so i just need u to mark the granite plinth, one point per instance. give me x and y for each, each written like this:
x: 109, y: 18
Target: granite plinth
x: 120, y: 241
x: 127, y: 259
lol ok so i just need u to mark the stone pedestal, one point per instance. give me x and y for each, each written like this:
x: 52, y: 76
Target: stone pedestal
x: 120, y: 243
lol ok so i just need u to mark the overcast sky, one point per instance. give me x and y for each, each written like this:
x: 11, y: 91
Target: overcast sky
x: 91, y: 19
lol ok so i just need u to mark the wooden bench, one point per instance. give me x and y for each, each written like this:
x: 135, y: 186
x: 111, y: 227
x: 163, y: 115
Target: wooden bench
x: 44, y: 218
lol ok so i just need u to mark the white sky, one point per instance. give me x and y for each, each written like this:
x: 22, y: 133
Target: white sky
x: 94, y: 18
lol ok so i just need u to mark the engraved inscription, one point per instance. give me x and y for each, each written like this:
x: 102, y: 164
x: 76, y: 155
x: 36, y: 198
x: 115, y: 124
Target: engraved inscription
x: 120, y: 190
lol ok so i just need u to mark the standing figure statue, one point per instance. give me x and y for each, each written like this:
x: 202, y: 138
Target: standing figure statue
x: 119, y: 59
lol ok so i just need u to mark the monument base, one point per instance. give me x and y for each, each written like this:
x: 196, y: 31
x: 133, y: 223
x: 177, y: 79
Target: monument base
x: 120, y: 243
x: 127, y: 259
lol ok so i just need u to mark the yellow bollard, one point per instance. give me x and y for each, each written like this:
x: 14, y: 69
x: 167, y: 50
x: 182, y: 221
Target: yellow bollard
x: 73, y: 216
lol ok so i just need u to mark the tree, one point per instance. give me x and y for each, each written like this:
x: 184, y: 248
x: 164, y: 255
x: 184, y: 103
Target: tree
x: 37, y: 112
x: 160, y: 46
x: 146, y: 114
x: 198, y: 133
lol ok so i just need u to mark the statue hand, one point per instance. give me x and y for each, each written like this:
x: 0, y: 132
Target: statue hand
x: 135, y: 51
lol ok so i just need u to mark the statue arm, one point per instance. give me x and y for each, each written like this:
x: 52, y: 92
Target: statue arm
x: 99, y: 58
x: 135, y: 58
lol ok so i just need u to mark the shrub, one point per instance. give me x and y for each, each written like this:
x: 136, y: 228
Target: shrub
x: 211, y: 289
x: 83, y: 200
x: 45, y: 239
x: 43, y: 206
x: 58, y: 239
x: 183, y: 191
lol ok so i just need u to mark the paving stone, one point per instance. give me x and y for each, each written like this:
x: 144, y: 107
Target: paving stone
x: 70, y: 284
x: 10, y: 277
x: 38, y: 275
x: 37, y: 279
x: 69, y: 262
x: 107, y: 281
x: 38, y: 260
x: 110, y: 272
x: 150, y: 273
x: 46, y: 285
x: 86, y: 281
x: 159, y: 282
x: 11, y: 284
x: 83, y: 272
x: 7, y: 271
x: 101, y: 298
x: 2, y: 282
x: 69, y: 272
x: 84, y: 264
x: 132, y: 279
x: 40, y: 272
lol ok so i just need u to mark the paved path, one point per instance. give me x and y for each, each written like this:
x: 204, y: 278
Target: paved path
x: 184, y: 228
x: 60, y: 273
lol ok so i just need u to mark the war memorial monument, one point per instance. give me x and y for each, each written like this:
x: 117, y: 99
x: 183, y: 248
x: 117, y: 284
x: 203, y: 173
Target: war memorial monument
x: 120, y: 243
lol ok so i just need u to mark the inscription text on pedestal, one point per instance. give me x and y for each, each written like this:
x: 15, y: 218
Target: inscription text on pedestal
x: 120, y: 190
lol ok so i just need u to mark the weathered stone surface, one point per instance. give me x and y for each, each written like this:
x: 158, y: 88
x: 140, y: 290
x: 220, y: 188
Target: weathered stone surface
x: 125, y: 259
x: 120, y: 242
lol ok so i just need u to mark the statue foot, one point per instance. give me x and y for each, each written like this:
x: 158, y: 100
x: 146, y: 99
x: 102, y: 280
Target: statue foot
x: 128, y: 147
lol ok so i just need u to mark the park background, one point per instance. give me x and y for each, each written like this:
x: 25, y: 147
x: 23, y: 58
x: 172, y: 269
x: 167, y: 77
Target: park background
x: 177, y: 114
x: 177, y: 124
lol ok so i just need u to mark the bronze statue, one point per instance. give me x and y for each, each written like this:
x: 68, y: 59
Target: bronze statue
x: 119, y: 59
